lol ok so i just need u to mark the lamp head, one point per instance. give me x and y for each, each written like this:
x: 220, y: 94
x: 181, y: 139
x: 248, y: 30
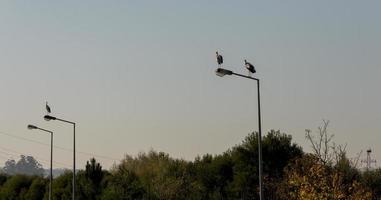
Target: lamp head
x: 48, y: 118
x: 32, y: 127
x: 222, y: 72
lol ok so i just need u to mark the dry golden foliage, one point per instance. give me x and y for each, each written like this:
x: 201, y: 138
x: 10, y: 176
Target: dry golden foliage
x: 308, y: 179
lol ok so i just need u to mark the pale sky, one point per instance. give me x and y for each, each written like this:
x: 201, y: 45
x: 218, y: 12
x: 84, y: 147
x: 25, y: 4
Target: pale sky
x: 139, y: 75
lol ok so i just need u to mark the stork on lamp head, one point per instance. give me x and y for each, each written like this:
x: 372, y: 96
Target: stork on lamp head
x: 48, y: 110
x: 250, y: 67
x: 220, y: 59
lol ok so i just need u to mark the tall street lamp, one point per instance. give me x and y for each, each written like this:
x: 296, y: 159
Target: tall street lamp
x: 48, y: 118
x: 222, y: 72
x: 51, y: 156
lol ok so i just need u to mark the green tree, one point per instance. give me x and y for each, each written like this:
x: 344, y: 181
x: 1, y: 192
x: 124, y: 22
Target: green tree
x: 372, y: 179
x: 123, y: 184
x: 62, y: 186
x: 214, y: 173
x: 90, y: 180
x: 161, y: 176
x: 277, y: 150
x: 37, y: 189
x: 94, y: 171
x: 16, y: 187
x: 3, y: 179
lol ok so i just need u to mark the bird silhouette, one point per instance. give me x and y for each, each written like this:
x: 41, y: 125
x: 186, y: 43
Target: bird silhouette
x: 48, y: 110
x: 220, y: 59
x: 250, y: 67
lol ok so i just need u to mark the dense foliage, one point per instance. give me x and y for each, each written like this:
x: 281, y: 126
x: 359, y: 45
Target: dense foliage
x: 289, y: 173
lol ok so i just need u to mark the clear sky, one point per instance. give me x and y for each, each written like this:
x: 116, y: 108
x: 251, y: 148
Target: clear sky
x: 137, y: 75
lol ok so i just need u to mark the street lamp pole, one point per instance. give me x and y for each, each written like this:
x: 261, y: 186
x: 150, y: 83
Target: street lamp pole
x: 51, y: 156
x: 260, y: 144
x: 222, y: 72
x: 48, y: 118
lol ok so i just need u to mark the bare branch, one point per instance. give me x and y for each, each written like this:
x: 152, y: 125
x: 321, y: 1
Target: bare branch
x: 355, y: 161
x: 322, y: 145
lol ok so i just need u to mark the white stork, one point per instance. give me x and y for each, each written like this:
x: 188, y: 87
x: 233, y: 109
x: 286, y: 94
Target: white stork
x: 48, y: 110
x: 220, y: 60
x: 250, y: 67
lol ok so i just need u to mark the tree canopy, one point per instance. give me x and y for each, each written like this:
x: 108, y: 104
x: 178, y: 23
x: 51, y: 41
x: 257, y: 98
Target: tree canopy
x: 289, y: 173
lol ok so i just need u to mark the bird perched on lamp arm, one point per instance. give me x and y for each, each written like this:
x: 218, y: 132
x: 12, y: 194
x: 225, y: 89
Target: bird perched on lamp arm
x: 250, y: 67
x: 219, y: 58
x: 48, y: 110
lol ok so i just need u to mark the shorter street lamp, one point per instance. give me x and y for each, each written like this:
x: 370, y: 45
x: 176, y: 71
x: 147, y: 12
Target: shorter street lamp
x: 31, y: 127
x: 48, y: 118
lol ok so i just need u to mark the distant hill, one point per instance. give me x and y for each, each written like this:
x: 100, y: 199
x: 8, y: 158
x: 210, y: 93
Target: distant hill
x: 56, y: 172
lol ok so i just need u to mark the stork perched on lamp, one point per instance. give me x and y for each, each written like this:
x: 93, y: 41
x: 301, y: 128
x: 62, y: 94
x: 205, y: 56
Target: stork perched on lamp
x: 220, y: 59
x: 48, y: 110
x: 250, y: 67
